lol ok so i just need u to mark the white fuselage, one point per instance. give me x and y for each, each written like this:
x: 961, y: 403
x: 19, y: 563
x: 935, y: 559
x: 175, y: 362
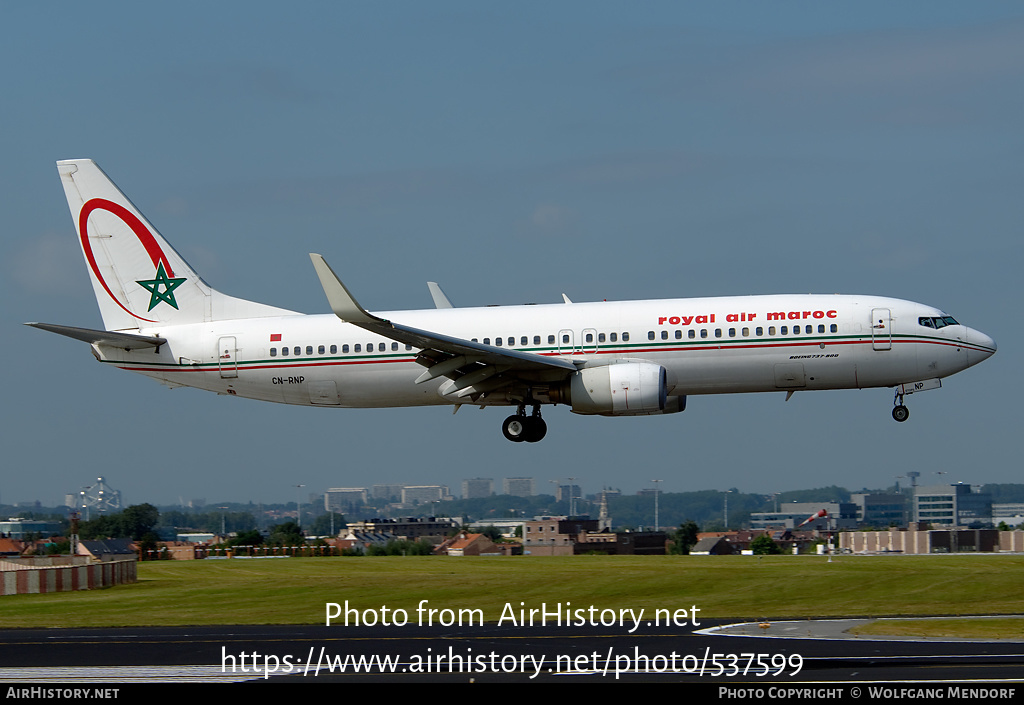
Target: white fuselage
x: 706, y: 345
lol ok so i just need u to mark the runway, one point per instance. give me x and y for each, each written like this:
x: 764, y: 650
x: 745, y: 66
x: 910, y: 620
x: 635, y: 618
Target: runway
x: 718, y: 652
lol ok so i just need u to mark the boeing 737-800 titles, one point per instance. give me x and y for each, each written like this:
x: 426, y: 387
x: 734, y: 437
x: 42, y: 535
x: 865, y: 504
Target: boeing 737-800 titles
x: 624, y: 358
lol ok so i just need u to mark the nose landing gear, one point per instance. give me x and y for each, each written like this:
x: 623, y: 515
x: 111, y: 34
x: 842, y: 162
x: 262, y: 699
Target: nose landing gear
x: 520, y: 427
x: 899, y: 412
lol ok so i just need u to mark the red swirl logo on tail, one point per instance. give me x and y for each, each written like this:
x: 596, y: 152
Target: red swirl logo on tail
x: 152, y: 247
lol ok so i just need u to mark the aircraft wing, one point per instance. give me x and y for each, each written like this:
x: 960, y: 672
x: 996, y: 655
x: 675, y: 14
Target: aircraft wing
x: 472, y: 364
x: 127, y: 341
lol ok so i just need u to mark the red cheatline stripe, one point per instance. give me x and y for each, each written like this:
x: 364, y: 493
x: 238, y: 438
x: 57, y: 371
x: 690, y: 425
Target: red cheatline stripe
x: 707, y: 347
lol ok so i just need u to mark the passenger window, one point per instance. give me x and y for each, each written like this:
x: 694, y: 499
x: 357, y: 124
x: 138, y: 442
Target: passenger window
x: 808, y: 329
x: 679, y: 335
x: 536, y: 340
x: 600, y: 337
x: 759, y: 331
x: 784, y: 330
x: 703, y: 332
x: 650, y: 335
x: 821, y: 328
x: 613, y: 337
x: 334, y: 350
x: 746, y: 332
x: 691, y: 334
x: 718, y: 332
x: 565, y: 338
x: 625, y: 337
x: 590, y: 337
x: 524, y: 340
x: 394, y: 346
x: 833, y: 328
x: 497, y: 341
x: 309, y: 349
x: 771, y: 330
x: 511, y: 341
x: 732, y: 332
x: 321, y: 350
x: 358, y: 347
x: 297, y: 350
x: 284, y: 352
x: 664, y: 335
x: 273, y: 352
x: 487, y: 341
x: 551, y: 340
x: 408, y: 347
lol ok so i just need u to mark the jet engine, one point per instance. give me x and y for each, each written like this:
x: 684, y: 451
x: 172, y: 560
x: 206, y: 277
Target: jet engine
x: 622, y: 389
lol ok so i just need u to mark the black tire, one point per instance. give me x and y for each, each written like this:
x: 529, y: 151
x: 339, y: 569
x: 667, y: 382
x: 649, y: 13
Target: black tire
x: 536, y: 429
x: 900, y: 413
x: 514, y: 428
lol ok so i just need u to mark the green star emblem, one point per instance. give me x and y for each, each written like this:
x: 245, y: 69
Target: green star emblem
x: 162, y: 280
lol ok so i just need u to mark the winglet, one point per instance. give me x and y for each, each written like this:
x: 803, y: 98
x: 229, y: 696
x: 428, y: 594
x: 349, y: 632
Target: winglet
x: 342, y: 302
x: 566, y: 299
x: 440, y: 300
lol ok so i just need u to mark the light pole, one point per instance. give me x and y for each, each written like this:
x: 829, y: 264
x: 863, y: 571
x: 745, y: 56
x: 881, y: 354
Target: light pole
x: 726, y: 509
x: 298, y: 504
x: 656, y: 526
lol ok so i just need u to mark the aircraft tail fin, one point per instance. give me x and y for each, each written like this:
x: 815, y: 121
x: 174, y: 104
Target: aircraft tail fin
x: 140, y: 281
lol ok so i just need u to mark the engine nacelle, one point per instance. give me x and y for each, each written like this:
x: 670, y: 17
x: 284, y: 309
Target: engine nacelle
x: 623, y: 389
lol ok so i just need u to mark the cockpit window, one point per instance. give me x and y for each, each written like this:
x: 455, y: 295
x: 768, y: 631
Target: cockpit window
x: 937, y: 321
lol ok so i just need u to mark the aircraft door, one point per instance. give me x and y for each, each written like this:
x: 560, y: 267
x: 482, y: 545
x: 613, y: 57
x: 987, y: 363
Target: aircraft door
x: 566, y: 342
x: 227, y: 357
x: 881, y: 329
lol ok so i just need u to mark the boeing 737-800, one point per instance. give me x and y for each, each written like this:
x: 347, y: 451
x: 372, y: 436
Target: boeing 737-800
x: 624, y: 358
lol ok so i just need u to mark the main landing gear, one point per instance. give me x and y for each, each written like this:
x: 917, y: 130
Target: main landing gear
x: 899, y: 412
x: 520, y: 427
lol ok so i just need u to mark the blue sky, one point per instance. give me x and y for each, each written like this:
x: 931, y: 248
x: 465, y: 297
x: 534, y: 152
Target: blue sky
x: 513, y: 152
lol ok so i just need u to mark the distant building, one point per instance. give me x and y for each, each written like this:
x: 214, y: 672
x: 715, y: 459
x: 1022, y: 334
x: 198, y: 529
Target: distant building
x: 952, y: 505
x: 431, y: 529
x: 918, y: 538
x: 506, y: 526
x: 567, y: 536
x: 23, y: 528
x: 1012, y: 513
x: 841, y: 515
x: 388, y: 493
x: 476, y: 545
x: 519, y: 486
x: 478, y: 488
x: 423, y: 494
x: 344, y: 499
x: 881, y: 509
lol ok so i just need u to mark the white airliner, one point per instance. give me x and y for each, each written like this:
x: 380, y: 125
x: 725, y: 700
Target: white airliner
x: 623, y: 358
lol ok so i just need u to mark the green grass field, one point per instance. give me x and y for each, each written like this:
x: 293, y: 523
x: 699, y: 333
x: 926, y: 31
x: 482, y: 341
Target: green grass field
x: 296, y: 590
x: 976, y: 628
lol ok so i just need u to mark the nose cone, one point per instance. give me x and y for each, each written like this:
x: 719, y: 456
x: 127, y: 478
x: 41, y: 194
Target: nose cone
x: 979, y: 346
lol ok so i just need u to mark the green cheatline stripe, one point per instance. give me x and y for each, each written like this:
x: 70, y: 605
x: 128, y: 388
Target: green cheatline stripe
x: 710, y: 343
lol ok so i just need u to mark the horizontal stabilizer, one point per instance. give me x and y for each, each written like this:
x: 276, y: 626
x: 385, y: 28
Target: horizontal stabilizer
x: 127, y: 341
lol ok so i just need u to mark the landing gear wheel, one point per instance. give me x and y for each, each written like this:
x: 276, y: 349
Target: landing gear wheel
x: 535, y: 429
x: 514, y: 428
x: 900, y: 413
